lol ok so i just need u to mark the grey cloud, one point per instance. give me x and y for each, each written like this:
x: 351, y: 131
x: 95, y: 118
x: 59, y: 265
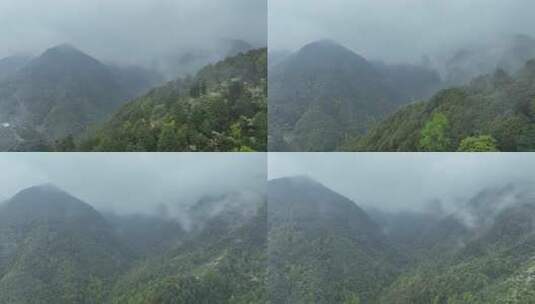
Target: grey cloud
x: 401, y: 30
x: 128, y: 30
x: 395, y: 181
x: 135, y: 183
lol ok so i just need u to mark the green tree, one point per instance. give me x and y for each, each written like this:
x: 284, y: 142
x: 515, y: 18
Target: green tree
x: 167, y: 140
x: 434, y: 136
x: 483, y: 143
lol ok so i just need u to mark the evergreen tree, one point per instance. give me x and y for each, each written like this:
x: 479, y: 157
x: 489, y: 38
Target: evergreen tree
x: 434, y: 136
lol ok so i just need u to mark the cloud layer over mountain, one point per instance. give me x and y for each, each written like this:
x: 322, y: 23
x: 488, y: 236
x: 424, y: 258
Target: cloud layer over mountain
x: 396, y: 30
x: 134, y: 183
x: 128, y: 31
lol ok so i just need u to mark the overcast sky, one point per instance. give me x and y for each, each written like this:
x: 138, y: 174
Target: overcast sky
x: 128, y: 30
x: 134, y: 182
x: 396, y: 181
x: 396, y: 30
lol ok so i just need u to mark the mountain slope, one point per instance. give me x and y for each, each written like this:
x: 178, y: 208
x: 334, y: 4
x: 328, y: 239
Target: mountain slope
x: 62, y: 92
x: 325, y: 92
x: 10, y: 65
x: 322, y: 247
x: 496, y: 105
x: 509, y: 53
x: 222, y: 261
x: 223, y: 108
x: 494, y: 266
x: 55, y: 248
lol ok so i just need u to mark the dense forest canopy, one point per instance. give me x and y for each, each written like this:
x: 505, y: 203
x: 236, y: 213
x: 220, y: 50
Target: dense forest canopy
x: 325, y: 93
x: 56, y: 248
x: 323, y: 248
x: 63, y: 91
x: 325, y: 97
x: 493, y: 113
x: 222, y: 108
x: 66, y: 100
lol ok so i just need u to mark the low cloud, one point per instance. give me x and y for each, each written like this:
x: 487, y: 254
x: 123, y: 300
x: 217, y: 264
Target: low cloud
x: 137, y: 182
x: 128, y: 31
x: 408, y: 181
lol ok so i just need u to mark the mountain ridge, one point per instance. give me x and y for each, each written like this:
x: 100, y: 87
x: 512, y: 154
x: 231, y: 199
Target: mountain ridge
x: 325, y: 92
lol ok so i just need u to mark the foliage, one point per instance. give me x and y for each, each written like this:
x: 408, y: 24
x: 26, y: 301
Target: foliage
x: 434, y: 135
x: 223, y: 108
x: 62, y: 93
x: 325, y: 93
x: 496, y: 105
x: 484, y: 143
x: 57, y: 249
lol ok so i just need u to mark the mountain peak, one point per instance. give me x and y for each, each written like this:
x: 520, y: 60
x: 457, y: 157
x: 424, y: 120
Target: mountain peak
x: 46, y: 201
x: 63, y: 49
x: 325, y: 43
x: 44, y: 188
x: 304, y: 179
x: 311, y: 199
x: 65, y: 55
x: 327, y: 57
x: 328, y: 47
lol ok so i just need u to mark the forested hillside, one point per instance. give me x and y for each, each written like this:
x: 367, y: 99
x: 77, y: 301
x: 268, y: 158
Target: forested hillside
x: 325, y: 93
x: 308, y: 244
x: 324, y: 249
x: 509, y: 52
x: 222, y: 108
x: 63, y: 91
x: 55, y: 248
x: 491, y: 261
x: 495, y: 112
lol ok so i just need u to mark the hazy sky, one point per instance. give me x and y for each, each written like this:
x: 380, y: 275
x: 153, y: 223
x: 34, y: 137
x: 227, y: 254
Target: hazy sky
x: 132, y: 183
x: 128, y: 29
x: 406, y: 180
x: 396, y: 30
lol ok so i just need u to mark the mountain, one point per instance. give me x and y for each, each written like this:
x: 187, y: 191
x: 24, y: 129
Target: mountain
x: 277, y: 56
x: 509, y: 53
x: 493, y: 112
x: 60, y: 93
x: 322, y: 247
x: 325, y: 92
x: 221, y: 261
x: 222, y: 108
x: 10, y: 65
x: 493, y: 262
x: 146, y: 235
x: 305, y: 244
x: 55, y: 248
